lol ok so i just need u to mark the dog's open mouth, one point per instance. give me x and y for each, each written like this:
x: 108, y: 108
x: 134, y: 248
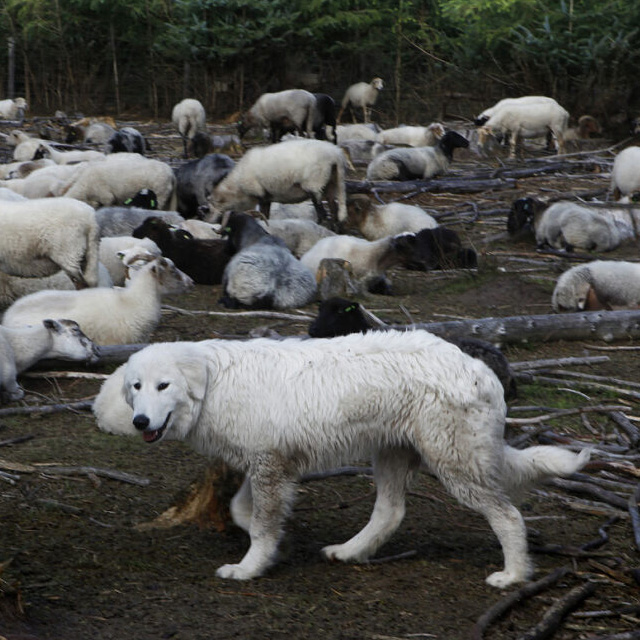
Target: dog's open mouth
x: 154, y: 435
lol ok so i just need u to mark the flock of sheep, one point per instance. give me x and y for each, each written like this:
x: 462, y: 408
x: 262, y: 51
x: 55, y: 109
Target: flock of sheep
x: 96, y: 232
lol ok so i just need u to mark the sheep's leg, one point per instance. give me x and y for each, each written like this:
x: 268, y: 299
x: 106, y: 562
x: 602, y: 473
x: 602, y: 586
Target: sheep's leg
x: 272, y: 493
x: 319, y: 207
x: 392, y: 469
x: 265, y: 207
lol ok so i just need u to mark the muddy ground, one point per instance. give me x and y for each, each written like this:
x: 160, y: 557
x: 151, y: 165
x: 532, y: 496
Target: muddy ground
x: 77, y: 566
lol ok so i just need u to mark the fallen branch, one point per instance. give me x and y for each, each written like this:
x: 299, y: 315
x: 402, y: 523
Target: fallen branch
x: 560, y: 413
x: 582, y: 488
x: 252, y: 314
x: 634, y: 498
x: 47, y: 408
x: 527, y: 365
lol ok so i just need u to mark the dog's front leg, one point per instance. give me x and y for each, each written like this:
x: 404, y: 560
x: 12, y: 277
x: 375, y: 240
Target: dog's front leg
x: 272, y: 491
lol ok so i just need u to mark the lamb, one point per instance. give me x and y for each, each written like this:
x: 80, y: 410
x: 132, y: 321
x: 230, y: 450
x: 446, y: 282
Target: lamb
x: 340, y: 317
x: 298, y: 235
x: 126, y: 140
x: 379, y: 221
x: 42, y: 236
x: 369, y: 260
x: 283, y: 111
x: 189, y: 118
x: 568, y: 225
x: 195, y: 181
x: 121, y: 221
x: 13, y: 109
x: 287, y: 172
x: 413, y: 136
x: 625, y: 174
x: 416, y: 163
x: 22, y: 347
x: 263, y: 274
x: 202, y: 260
x: 601, y: 284
x: 362, y: 95
x: 531, y: 120
x: 108, y: 315
x: 67, y: 157
x: 114, y: 248
x: 120, y: 176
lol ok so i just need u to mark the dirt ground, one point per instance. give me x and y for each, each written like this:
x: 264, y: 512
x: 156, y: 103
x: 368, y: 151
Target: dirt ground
x: 74, y: 565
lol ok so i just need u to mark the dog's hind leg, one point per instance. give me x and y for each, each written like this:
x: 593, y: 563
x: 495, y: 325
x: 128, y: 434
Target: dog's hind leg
x: 272, y: 491
x: 242, y: 506
x: 392, y: 468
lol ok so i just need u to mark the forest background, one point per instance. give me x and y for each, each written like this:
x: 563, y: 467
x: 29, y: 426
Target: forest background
x: 439, y: 58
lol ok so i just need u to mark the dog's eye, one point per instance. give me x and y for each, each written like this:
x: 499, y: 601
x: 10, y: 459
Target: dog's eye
x: 136, y: 386
x: 162, y: 386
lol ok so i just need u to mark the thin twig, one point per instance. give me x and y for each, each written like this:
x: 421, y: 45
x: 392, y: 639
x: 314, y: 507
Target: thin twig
x: 48, y: 408
x: 252, y: 314
x: 560, y: 413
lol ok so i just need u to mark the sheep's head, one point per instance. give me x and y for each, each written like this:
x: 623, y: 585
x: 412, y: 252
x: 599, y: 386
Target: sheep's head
x: 588, y: 125
x: 339, y: 317
x: 452, y: 140
x: 377, y: 84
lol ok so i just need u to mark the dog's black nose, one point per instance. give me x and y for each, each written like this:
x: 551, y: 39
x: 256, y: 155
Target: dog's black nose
x: 140, y: 422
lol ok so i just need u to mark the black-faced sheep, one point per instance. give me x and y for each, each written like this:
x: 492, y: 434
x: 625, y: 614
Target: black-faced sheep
x: 281, y: 112
x: 602, y: 284
x: 189, y: 117
x: 625, y: 174
x: 196, y: 180
x: 127, y: 140
x: 263, y: 274
x: 438, y: 248
x: 203, y: 261
x: 416, y: 163
x: 362, y: 95
x: 42, y: 236
x: 108, y: 315
x: 22, y: 347
x: 287, y: 172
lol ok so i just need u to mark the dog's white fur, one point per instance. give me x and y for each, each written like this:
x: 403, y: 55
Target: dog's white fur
x: 276, y: 409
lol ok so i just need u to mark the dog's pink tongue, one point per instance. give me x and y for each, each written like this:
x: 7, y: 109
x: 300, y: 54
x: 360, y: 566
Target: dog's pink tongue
x: 149, y: 436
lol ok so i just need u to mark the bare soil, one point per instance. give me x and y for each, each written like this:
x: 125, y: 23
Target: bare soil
x: 78, y: 568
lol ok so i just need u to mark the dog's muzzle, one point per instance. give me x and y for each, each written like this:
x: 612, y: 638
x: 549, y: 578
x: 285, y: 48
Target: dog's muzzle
x: 141, y: 423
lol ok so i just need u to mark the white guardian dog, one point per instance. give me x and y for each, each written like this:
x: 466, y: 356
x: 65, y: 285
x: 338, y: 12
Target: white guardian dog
x: 278, y: 409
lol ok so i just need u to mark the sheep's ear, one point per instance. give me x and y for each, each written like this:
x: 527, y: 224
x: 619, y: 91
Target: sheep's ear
x: 52, y: 325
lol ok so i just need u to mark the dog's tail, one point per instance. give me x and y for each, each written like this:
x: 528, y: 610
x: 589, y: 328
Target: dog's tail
x: 524, y: 466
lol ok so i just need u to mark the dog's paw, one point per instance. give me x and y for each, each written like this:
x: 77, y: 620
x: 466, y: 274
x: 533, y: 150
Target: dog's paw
x: 503, y: 579
x: 235, y: 572
x: 342, y: 553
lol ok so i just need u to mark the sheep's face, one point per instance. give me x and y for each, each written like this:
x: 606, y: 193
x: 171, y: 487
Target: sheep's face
x: 572, y: 298
x: 377, y: 84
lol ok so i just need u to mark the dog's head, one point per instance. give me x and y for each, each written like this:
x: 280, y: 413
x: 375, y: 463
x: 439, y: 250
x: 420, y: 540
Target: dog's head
x: 165, y: 385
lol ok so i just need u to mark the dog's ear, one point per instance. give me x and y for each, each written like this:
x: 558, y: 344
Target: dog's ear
x: 196, y: 375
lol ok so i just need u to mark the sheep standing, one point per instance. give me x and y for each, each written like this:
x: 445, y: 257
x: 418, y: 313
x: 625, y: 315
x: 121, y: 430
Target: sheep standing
x: 189, y: 118
x: 283, y: 111
x: 287, y: 172
x: 625, y: 174
x: 13, y: 109
x: 601, y: 284
x: 324, y: 117
x: 362, y: 95
x: 510, y: 102
x: 108, y: 315
x: 416, y: 163
x: 21, y: 347
x: 42, y: 236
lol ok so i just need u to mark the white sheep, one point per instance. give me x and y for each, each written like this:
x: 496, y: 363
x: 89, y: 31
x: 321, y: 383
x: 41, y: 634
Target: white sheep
x: 90, y: 130
x: 287, y: 172
x: 13, y: 108
x: 46, y: 182
x: 625, y: 174
x: 25, y: 146
x: 413, y: 136
x: 597, y: 285
x: 360, y: 131
x: 121, y: 221
x: 10, y: 195
x: 299, y: 210
x: 298, y: 235
x: 376, y: 221
x: 42, y: 236
x: 69, y: 157
x: 511, y: 102
x: 117, y: 315
x: 531, y: 120
x: 416, y: 163
x: 112, y: 251
x: 189, y: 118
x: 281, y: 112
x: 22, y: 347
x: 22, y: 169
x: 120, y: 176
x: 362, y: 95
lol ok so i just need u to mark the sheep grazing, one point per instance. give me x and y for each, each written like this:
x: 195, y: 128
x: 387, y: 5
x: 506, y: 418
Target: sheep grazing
x: 439, y: 248
x: 195, y: 181
x: 625, y: 174
x: 376, y: 221
x: 281, y: 112
x: 362, y: 95
x: 189, y: 118
x: 416, y: 163
x: 602, y: 284
x: 126, y: 140
x: 22, y: 347
x: 119, y: 177
x: 413, y: 136
x: 369, y: 260
x: 108, y: 315
x: 298, y: 235
x: 13, y: 109
x: 42, y: 236
x: 287, y: 172
x: 203, y: 261
x: 202, y: 143
x: 586, y: 126
x: 570, y: 225
x: 340, y: 317
x: 263, y: 274
x: 510, y: 102
x: 531, y: 120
